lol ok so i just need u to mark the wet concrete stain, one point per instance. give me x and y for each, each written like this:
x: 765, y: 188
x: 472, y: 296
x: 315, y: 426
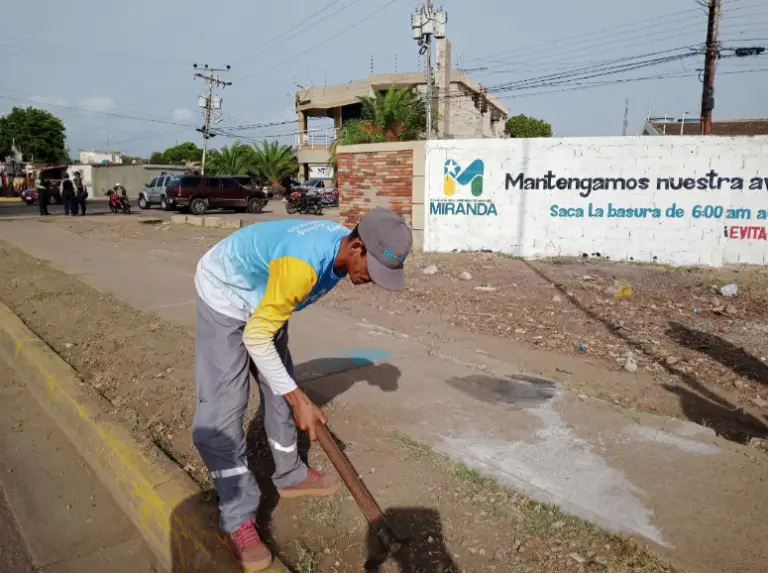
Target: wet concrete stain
x: 520, y: 390
x: 553, y: 465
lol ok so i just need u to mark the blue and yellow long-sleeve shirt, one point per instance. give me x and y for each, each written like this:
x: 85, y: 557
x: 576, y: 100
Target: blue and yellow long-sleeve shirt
x: 262, y: 274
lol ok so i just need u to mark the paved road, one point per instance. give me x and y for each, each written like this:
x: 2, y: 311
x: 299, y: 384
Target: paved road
x: 14, y: 555
x: 54, y: 513
x: 18, y: 210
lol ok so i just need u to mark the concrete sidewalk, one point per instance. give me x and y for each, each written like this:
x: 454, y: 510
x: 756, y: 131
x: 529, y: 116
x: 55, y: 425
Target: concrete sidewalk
x: 701, y: 498
x: 68, y: 521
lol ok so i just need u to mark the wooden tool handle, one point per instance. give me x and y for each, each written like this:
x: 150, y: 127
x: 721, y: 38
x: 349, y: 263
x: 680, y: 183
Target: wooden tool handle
x: 349, y: 476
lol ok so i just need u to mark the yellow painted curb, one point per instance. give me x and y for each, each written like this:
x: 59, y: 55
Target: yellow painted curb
x: 159, y: 497
x: 18, y: 199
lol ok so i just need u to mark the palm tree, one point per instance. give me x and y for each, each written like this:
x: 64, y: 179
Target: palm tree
x: 397, y: 115
x: 235, y: 160
x: 273, y: 161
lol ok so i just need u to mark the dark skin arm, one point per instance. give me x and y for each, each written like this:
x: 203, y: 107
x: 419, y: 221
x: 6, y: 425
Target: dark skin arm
x: 305, y: 412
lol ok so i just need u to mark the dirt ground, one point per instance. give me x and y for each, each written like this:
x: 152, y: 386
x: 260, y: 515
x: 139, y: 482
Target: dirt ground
x: 458, y: 520
x: 676, y: 327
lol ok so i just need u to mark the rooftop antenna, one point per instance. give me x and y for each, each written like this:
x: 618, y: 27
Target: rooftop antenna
x: 371, y: 65
x: 395, y: 63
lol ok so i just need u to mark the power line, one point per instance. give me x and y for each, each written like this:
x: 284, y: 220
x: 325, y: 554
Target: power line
x: 282, y: 36
x: 153, y: 136
x: 604, y: 83
x: 600, y: 45
x: 322, y: 42
x: 90, y: 52
x: 100, y: 112
x: 599, y: 40
x: 569, y: 39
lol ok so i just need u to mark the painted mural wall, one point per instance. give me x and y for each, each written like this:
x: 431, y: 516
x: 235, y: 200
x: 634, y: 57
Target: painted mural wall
x: 678, y: 200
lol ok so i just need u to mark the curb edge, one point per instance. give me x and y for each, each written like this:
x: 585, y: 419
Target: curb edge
x: 148, y: 489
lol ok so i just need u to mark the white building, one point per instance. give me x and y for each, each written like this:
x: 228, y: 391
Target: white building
x: 100, y: 156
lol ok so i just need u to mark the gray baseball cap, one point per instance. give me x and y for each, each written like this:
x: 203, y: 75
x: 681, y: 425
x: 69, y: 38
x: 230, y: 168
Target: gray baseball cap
x: 387, y: 240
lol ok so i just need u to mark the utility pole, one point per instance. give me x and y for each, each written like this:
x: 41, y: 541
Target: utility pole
x: 209, y: 102
x: 427, y: 23
x: 708, y: 90
x: 625, y: 129
x: 430, y: 103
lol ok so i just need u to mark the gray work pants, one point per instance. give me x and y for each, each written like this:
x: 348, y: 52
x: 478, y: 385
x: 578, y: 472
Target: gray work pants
x: 222, y: 379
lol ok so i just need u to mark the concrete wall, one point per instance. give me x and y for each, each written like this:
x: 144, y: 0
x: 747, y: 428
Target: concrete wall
x: 383, y: 175
x: 681, y: 200
x: 132, y: 177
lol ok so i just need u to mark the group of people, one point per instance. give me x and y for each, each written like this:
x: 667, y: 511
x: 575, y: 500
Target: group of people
x: 73, y: 194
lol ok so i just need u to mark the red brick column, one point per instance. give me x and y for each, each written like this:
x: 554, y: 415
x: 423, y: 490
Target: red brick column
x: 374, y: 179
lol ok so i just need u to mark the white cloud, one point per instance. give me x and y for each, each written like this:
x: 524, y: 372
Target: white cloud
x: 99, y: 103
x: 182, y: 115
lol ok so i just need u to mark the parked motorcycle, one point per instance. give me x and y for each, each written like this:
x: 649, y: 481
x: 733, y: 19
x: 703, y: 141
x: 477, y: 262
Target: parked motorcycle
x: 330, y: 198
x: 298, y: 202
x: 118, y: 202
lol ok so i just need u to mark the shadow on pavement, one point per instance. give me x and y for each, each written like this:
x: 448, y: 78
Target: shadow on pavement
x: 204, y: 551
x: 719, y: 349
x: 424, y: 551
x: 700, y: 404
x: 324, y: 379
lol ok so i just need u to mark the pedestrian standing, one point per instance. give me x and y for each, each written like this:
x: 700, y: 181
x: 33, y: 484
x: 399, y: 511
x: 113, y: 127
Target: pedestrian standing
x: 81, y: 194
x: 67, y: 193
x: 43, y: 194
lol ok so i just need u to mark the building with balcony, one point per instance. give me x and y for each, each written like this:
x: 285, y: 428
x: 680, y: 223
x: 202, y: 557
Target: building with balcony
x: 464, y: 109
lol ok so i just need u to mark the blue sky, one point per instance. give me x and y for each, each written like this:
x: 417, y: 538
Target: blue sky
x: 135, y: 60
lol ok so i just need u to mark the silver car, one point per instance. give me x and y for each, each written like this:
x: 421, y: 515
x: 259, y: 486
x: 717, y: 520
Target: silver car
x: 153, y: 193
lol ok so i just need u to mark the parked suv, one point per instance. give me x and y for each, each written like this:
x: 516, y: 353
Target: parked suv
x: 199, y: 193
x: 155, y: 192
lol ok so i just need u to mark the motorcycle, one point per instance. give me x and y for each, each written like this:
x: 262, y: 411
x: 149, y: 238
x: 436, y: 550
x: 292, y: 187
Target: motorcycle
x: 330, y: 198
x: 298, y: 202
x: 118, y: 202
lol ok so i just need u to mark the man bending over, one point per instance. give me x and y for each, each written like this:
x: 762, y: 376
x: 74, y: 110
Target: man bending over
x: 248, y: 285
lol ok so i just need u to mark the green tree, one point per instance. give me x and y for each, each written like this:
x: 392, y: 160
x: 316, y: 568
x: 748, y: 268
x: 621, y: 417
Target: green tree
x: 399, y: 114
x: 182, y: 152
x: 156, y: 158
x: 522, y: 126
x: 38, y: 134
x: 274, y: 162
x: 235, y: 160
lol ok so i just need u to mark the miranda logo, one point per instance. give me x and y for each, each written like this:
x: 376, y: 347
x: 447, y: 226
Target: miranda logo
x: 472, y: 175
x: 453, y: 177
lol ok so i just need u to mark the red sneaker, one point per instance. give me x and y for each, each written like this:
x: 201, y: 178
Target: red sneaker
x: 249, y: 549
x: 316, y: 484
